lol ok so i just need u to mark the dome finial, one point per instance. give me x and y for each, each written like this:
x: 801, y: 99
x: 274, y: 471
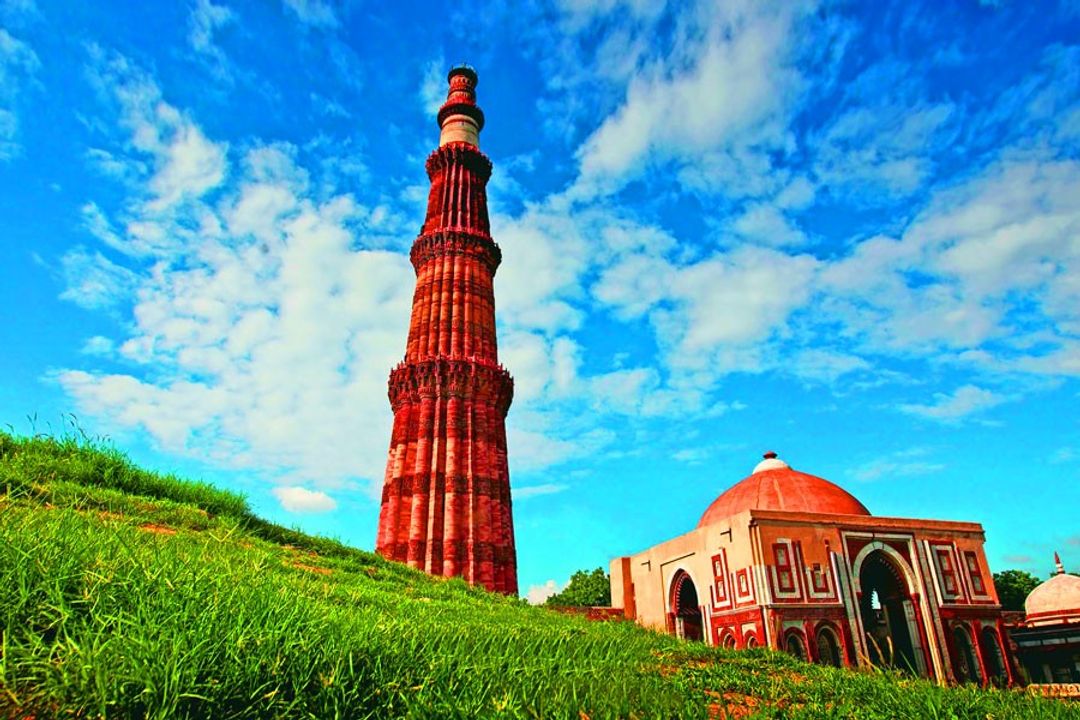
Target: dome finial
x: 771, y: 462
x: 1059, y: 569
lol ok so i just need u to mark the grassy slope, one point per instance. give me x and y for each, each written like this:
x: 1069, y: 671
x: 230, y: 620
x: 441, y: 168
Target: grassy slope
x: 128, y: 594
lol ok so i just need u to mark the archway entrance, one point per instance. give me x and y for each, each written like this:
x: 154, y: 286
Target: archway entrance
x: 886, y: 607
x: 965, y: 664
x: 793, y: 643
x: 992, y: 656
x: 828, y: 649
x: 685, y: 608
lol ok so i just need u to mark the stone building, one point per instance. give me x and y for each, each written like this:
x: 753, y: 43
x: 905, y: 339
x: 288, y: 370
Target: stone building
x: 1048, y: 639
x: 791, y: 561
x: 446, y: 493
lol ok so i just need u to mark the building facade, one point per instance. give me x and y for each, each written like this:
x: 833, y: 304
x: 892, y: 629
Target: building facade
x: 446, y: 493
x: 788, y: 560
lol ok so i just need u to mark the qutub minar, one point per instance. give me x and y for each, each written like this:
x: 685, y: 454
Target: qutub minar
x: 446, y: 493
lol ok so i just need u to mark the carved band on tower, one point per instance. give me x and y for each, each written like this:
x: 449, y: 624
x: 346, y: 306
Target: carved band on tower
x: 446, y: 493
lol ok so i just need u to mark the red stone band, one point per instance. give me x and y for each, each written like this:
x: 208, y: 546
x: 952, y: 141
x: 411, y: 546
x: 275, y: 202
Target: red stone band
x: 450, y: 242
x: 442, y: 378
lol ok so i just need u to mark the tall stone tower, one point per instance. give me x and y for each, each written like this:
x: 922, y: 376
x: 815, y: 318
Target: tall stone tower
x: 446, y: 494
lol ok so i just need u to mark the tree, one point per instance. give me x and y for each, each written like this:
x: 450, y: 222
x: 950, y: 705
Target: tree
x: 586, y: 589
x: 1013, y: 587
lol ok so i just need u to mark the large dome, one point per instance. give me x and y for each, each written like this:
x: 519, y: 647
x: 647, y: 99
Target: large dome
x: 1056, y: 600
x: 775, y: 486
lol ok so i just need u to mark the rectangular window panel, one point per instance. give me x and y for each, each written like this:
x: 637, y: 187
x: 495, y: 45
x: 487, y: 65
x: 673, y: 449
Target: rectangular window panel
x: 785, y: 577
x: 948, y: 572
x: 719, y: 580
x: 821, y: 581
x: 972, y: 561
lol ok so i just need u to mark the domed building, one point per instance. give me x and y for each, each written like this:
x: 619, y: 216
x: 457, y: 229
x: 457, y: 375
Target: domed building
x: 1048, y: 640
x: 791, y: 561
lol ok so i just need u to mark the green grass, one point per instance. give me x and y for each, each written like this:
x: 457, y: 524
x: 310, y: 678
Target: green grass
x: 125, y: 593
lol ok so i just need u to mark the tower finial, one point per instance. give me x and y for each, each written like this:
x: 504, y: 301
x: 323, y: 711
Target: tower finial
x: 460, y: 118
x: 1059, y: 569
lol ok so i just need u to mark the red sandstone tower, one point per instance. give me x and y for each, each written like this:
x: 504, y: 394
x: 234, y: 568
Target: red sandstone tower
x: 446, y: 494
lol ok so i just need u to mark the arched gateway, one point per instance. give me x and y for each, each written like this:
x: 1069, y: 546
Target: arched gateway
x: 685, y: 607
x: 887, y: 613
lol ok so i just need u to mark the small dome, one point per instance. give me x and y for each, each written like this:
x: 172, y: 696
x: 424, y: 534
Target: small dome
x: 774, y: 485
x: 1056, y: 600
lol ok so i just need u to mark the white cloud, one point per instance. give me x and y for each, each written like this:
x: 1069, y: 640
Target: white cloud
x: 111, y: 166
x: 624, y: 390
x: 541, y: 439
x: 543, y: 366
x: 1013, y: 228
x: 989, y: 266
x: 726, y: 85
x: 732, y: 301
x: 316, y: 13
x: 190, y: 165
x: 964, y: 297
x: 257, y: 326
x: 825, y: 365
x: 93, y: 281
x: 766, y: 224
x: 186, y: 163
x: 1064, y: 455
x: 544, y: 258
x: 581, y: 12
x: 205, y: 20
x: 531, y: 491
x: 962, y: 402
x: 19, y: 9
x: 692, y: 456
x: 538, y: 594
x: 634, y: 285
x: 206, y: 17
x: 874, y: 153
x: 16, y: 59
x: 904, y: 463
x: 98, y: 345
x: 433, y: 86
x: 302, y: 500
x: 18, y: 65
x: 168, y: 414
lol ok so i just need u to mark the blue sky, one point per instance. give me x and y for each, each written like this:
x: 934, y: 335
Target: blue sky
x: 846, y: 232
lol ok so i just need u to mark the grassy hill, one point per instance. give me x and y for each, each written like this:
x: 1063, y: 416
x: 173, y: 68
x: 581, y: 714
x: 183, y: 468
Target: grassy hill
x: 125, y: 593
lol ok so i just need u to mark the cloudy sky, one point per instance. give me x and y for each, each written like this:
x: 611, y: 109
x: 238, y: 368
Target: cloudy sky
x: 847, y: 232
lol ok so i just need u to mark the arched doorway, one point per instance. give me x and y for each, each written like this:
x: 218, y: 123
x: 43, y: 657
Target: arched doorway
x: 794, y: 645
x: 886, y: 606
x: 728, y: 641
x: 965, y: 663
x: 992, y: 656
x: 828, y: 647
x: 685, y: 608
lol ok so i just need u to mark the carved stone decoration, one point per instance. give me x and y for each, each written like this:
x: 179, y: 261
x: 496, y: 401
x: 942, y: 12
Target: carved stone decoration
x: 446, y: 494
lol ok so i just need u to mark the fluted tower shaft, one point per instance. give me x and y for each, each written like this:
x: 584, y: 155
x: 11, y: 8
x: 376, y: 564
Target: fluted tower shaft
x: 446, y: 494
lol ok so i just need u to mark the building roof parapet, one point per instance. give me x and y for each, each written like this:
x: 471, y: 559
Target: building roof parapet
x: 867, y: 521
